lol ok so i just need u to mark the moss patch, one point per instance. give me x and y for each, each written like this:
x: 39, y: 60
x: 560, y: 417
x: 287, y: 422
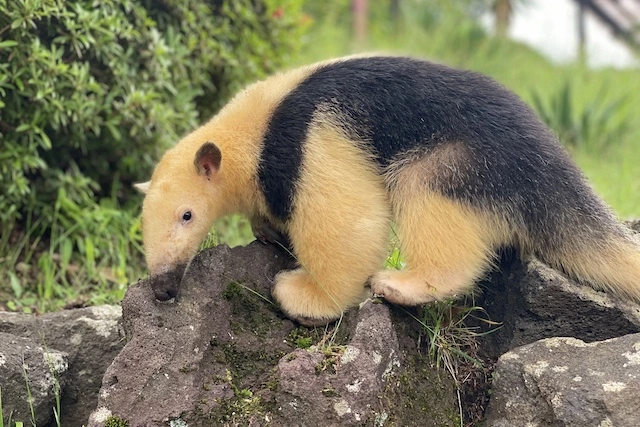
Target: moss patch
x: 116, y: 422
x: 245, y: 363
x: 420, y: 392
x: 252, y: 310
x: 259, y: 342
x: 325, y: 339
x: 330, y: 361
x: 300, y: 337
x: 251, y: 401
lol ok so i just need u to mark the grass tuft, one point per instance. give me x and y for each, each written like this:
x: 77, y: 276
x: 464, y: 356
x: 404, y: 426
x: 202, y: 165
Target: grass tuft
x: 87, y: 256
x: 29, y: 396
x: 57, y: 390
x: 449, y: 342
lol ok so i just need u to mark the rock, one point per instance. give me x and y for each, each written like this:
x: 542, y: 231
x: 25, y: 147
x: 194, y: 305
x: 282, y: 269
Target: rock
x: 347, y: 392
x: 24, y: 360
x: 223, y: 354
x: 567, y: 382
x: 89, y: 337
x: 186, y: 357
x: 533, y: 301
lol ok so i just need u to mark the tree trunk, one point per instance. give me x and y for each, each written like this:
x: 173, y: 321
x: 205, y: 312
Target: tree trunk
x: 502, y: 10
x: 360, y: 22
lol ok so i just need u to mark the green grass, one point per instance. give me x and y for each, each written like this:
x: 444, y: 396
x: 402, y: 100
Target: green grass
x: 56, y: 391
x: 87, y: 257
x: 29, y: 395
x: 616, y: 176
x: 444, y: 334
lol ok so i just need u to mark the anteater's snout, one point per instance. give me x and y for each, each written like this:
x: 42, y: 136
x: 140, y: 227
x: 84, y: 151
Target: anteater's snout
x: 166, y: 285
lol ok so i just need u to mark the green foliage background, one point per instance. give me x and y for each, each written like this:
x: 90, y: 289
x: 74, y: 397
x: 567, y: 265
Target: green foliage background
x: 97, y: 89
x: 91, y: 93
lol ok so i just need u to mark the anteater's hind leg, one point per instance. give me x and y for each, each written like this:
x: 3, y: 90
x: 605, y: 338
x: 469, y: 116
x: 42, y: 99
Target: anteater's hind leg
x: 447, y: 245
x: 339, y: 231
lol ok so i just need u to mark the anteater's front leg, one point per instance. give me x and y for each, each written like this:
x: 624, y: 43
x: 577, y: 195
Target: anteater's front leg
x: 267, y: 232
x: 339, y: 231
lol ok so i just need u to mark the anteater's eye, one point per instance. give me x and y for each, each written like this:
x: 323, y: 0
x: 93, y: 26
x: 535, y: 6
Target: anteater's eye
x: 186, y: 216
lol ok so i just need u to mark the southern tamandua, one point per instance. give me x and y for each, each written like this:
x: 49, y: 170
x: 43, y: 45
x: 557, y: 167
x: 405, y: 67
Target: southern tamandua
x: 331, y: 154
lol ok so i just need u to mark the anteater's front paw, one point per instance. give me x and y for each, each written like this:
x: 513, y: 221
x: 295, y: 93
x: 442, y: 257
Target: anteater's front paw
x: 403, y: 288
x: 266, y: 232
x: 303, y: 300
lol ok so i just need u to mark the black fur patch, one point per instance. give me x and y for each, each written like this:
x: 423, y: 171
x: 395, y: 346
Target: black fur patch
x: 397, y: 105
x: 281, y: 155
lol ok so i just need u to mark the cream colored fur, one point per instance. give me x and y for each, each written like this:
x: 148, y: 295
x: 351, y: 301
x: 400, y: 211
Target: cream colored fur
x: 613, y: 266
x: 339, y: 229
x: 176, y: 186
x: 447, y: 246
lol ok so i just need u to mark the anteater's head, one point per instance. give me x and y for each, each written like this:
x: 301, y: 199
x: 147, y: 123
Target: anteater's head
x: 181, y: 203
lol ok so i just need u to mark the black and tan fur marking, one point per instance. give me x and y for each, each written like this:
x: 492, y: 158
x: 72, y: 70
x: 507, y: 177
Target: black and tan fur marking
x: 331, y: 154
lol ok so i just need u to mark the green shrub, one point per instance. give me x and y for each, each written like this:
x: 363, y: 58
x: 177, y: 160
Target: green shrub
x: 108, y: 85
x: 91, y: 92
x: 597, y: 124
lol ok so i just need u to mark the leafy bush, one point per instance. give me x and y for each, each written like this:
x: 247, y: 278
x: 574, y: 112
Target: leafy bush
x: 108, y: 85
x: 91, y: 92
x: 596, y: 125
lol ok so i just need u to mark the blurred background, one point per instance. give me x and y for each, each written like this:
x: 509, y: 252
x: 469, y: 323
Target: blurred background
x: 92, y: 93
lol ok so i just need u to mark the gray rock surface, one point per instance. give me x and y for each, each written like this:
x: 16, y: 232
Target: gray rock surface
x: 534, y: 301
x: 223, y: 354
x: 87, y: 339
x: 349, y: 389
x: 24, y: 360
x: 565, y: 382
x: 187, y: 356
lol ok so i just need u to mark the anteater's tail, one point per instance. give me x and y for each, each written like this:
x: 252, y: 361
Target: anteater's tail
x: 606, y: 256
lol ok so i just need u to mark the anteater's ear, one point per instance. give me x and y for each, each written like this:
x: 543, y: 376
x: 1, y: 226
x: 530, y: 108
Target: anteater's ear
x: 208, y: 159
x: 142, y: 187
